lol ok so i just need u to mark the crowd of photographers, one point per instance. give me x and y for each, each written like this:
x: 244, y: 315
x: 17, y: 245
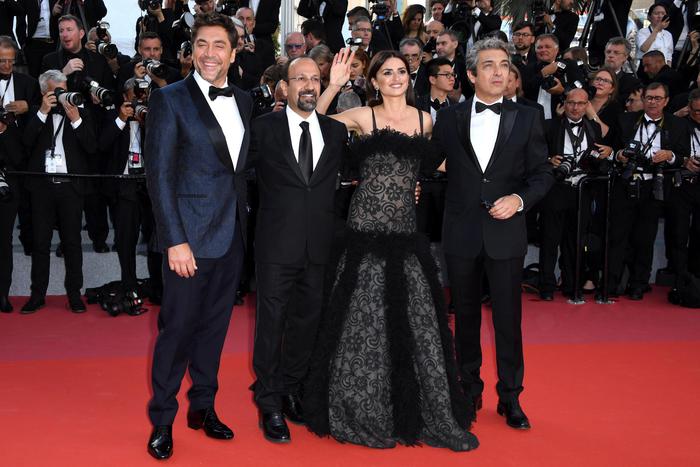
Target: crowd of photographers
x: 622, y: 120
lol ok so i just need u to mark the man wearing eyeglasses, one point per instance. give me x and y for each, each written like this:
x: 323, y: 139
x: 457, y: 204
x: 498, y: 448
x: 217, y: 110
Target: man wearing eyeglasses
x: 296, y: 154
x: 617, y: 52
x: 570, y: 138
x: 17, y: 92
x: 662, y: 142
x: 684, y: 200
x: 294, y: 45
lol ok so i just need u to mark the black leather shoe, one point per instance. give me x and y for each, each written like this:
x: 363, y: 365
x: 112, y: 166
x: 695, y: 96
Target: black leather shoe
x: 33, y: 304
x: 636, y: 294
x: 5, y: 305
x: 291, y: 408
x: 547, y: 296
x: 274, y: 427
x: 100, y: 247
x: 207, y: 419
x: 515, y: 417
x: 76, y: 305
x: 160, y: 444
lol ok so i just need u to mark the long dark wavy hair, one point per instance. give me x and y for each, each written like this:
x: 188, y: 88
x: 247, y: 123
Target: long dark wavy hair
x: 377, y: 62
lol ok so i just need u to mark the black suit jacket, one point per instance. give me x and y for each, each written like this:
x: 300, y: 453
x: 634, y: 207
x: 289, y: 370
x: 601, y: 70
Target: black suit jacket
x: 114, y: 142
x: 26, y: 25
x: 626, y: 83
x: 295, y: 219
x: 606, y: 29
x: 565, y: 25
x: 92, y: 12
x: 96, y: 67
x: 531, y: 86
x: 518, y: 165
x: 674, y: 134
x: 26, y: 88
x: 555, y: 132
x: 79, y: 145
x: 333, y: 19
x: 9, y: 9
x: 671, y: 78
x: 266, y: 23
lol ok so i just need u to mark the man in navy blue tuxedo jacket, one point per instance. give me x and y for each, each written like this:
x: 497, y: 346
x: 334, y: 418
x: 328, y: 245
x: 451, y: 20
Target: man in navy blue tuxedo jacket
x: 197, y: 136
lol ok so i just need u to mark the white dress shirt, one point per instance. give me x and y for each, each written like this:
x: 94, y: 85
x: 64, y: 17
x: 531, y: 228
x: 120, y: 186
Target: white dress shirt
x: 663, y: 43
x: 580, y: 135
x: 59, y: 150
x: 225, y: 111
x: 643, y: 134
x: 7, y: 91
x: 42, y: 27
x: 484, y: 131
x: 545, y: 100
x: 317, y: 143
x: 695, y: 143
x: 134, y: 138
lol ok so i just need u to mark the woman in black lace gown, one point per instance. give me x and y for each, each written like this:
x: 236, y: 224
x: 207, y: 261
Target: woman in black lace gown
x: 383, y: 368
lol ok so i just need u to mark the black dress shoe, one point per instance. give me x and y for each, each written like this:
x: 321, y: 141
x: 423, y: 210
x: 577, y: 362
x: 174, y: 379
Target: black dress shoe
x: 547, y: 296
x: 291, y: 408
x: 636, y: 294
x: 100, y: 247
x: 207, y: 419
x: 33, y: 304
x: 274, y: 427
x: 160, y: 444
x: 76, y: 305
x: 515, y: 417
x: 5, y: 305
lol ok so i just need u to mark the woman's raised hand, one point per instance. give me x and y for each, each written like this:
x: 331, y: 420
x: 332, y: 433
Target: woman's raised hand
x: 340, y: 69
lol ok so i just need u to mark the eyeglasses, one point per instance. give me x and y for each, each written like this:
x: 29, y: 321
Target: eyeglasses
x: 306, y: 79
x: 522, y: 34
x: 576, y: 103
x: 293, y: 46
x: 654, y: 98
x: 411, y: 57
x: 600, y: 79
x: 364, y: 29
x: 447, y: 75
x: 7, y: 61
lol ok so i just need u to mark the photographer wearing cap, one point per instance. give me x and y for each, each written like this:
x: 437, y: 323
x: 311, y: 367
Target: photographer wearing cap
x: 575, y: 149
x: 122, y: 139
x: 649, y: 141
x: 60, y: 139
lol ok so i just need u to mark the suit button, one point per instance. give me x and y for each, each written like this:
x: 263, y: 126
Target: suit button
x: 485, y: 180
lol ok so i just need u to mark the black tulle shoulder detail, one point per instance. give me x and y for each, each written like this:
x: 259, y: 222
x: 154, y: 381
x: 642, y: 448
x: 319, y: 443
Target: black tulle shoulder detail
x: 401, y: 145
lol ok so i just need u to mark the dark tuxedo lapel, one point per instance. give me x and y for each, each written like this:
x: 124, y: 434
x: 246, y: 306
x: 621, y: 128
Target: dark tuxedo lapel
x: 245, y: 117
x: 285, y: 145
x: 464, y: 118
x: 216, y: 135
x: 326, y: 130
x: 509, y: 112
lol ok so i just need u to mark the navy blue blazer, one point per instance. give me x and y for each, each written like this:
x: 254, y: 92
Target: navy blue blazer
x: 195, y: 191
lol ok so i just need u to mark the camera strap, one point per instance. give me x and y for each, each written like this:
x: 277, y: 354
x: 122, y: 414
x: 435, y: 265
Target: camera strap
x: 695, y: 143
x: 647, y: 145
x: 55, y: 135
x: 576, y: 141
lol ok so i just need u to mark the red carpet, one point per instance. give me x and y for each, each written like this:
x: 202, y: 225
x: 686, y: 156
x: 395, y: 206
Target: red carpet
x: 604, y: 386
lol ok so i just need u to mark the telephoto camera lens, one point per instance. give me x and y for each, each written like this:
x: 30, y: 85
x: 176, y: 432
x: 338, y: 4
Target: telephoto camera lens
x: 141, y: 110
x: 155, y: 68
x: 105, y: 96
x: 72, y: 98
x: 107, y: 50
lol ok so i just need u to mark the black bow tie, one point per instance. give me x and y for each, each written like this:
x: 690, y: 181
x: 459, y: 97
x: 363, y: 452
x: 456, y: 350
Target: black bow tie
x: 649, y: 122
x: 575, y: 125
x: 414, y: 74
x: 215, y: 92
x: 4, y: 77
x: 437, y: 105
x: 495, y: 108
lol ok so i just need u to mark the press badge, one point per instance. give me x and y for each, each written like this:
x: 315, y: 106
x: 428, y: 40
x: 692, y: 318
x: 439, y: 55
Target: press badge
x: 52, y: 161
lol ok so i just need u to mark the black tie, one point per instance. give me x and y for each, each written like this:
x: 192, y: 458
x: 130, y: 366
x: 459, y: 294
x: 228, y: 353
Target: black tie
x: 495, y: 108
x: 574, y: 125
x: 306, y: 154
x: 649, y: 122
x: 215, y: 92
x: 414, y: 74
x: 437, y: 105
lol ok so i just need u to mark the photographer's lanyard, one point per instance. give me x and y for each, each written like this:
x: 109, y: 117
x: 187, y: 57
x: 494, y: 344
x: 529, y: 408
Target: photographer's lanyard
x: 55, y: 137
x: 695, y: 143
x: 650, y: 142
x: 576, y: 141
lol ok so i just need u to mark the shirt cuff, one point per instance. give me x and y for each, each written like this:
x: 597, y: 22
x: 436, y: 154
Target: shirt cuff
x: 120, y: 123
x: 672, y: 160
x: 76, y: 124
x: 522, y: 204
x: 42, y: 116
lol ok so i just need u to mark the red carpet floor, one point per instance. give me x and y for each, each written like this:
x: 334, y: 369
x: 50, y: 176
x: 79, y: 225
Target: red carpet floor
x: 604, y: 386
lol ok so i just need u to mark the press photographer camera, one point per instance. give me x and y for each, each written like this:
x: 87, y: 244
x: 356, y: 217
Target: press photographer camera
x: 103, y: 45
x: 66, y: 97
x: 182, y: 28
x: 263, y: 98
x: 7, y: 117
x: 113, y: 299
x: 155, y: 67
x: 587, y: 162
x: 93, y: 88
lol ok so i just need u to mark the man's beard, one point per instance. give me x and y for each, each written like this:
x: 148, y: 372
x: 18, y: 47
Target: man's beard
x: 307, y: 104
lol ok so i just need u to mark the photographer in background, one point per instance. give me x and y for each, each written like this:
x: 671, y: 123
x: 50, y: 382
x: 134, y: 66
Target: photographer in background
x: 122, y: 139
x: 147, y: 64
x: 90, y: 12
x: 549, y: 77
x: 60, y: 139
x: 18, y: 92
x: 684, y: 197
x: 576, y: 149
x: 475, y: 18
x: 331, y: 13
x: 262, y: 20
x: 100, y: 42
x: 157, y: 20
x: 650, y: 140
x: 560, y: 21
x: 245, y: 71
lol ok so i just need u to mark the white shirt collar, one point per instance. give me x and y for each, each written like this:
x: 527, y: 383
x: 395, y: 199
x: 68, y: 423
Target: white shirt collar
x: 204, y: 84
x: 295, y: 119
